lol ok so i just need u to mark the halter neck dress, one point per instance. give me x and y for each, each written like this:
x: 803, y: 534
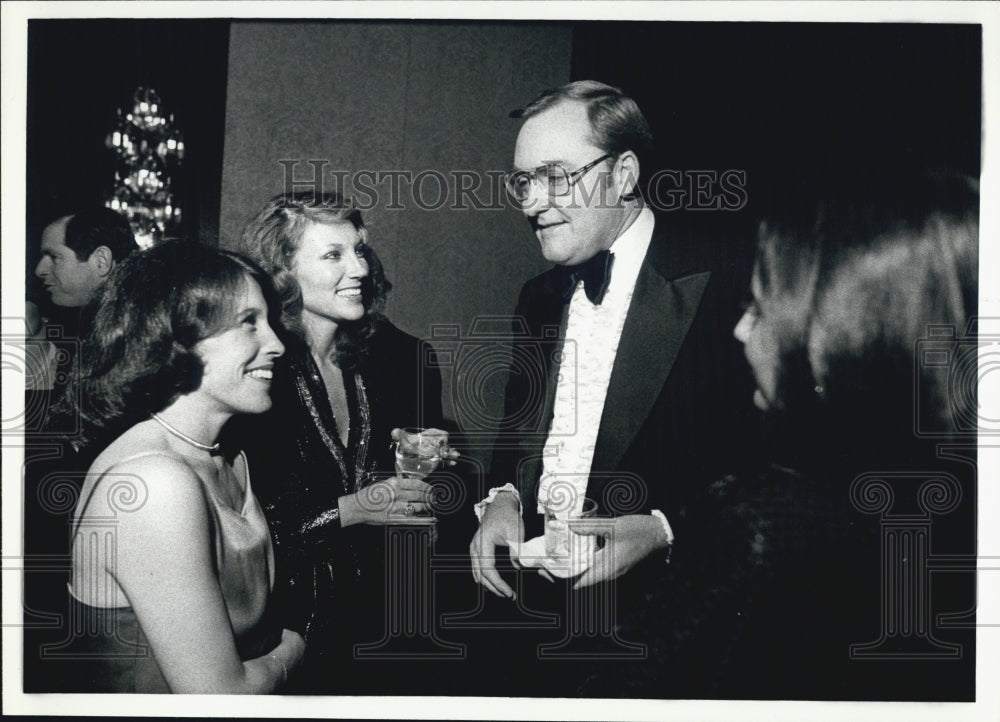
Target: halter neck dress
x: 111, y: 648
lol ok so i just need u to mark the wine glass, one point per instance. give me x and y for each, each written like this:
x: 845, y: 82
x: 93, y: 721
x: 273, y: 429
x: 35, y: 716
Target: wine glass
x: 418, y: 452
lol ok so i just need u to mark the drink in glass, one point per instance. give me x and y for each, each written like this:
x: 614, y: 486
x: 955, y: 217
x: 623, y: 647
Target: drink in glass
x: 560, y: 541
x: 418, y: 453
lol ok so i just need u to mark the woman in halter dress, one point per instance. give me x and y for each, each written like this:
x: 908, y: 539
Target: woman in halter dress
x: 172, y: 565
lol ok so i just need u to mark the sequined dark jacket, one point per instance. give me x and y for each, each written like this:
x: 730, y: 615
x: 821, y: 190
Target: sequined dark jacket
x: 329, y: 577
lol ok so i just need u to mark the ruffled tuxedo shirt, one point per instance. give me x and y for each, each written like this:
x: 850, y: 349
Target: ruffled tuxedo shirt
x: 588, y: 355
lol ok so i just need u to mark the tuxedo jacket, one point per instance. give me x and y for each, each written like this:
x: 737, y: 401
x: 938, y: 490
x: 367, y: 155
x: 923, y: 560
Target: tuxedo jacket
x: 678, y: 406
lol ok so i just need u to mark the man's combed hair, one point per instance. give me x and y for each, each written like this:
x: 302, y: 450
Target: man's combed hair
x: 274, y: 235
x: 90, y: 229
x: 618, y: 124
x: 139, y: 353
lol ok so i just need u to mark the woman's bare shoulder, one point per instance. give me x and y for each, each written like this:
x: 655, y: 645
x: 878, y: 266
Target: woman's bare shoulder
x: 140, y: 471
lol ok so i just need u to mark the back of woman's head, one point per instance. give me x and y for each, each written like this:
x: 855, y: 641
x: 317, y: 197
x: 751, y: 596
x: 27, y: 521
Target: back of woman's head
x: 869, y: 275
x: 139, y: 354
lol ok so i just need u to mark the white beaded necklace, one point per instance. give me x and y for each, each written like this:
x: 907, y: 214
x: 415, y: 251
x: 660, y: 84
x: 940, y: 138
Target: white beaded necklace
x: 213, y: 448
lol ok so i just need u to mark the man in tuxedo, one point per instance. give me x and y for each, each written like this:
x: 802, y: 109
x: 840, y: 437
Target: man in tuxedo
x: 642, y: 393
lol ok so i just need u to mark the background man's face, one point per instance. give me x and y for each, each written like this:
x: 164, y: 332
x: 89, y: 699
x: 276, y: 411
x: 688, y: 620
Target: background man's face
x: 574, y: 227
x: 70, y: 282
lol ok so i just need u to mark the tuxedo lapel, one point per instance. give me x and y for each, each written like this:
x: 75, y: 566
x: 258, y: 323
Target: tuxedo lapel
x: 659, y: 317
x: 658, y: 320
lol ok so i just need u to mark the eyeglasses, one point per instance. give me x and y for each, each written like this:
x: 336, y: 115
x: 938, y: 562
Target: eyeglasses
x: 553, y: 178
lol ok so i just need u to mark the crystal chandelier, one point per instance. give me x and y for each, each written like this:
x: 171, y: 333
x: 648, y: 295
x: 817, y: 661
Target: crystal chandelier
x: 148, y: 148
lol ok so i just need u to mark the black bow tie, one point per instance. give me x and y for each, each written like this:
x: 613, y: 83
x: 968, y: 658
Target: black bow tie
x: 595, y: 274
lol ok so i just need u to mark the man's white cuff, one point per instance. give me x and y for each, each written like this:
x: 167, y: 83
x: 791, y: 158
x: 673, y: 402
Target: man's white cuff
x: 480, y: 508
x: 666, y: 525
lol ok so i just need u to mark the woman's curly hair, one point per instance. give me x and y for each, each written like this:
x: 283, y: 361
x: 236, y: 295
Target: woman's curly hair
x: 138, y: 355
x: 852, y: 286
x: 272, y: 238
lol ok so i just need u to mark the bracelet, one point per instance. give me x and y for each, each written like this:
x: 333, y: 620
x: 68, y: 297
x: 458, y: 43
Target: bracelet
x: 284, y: 669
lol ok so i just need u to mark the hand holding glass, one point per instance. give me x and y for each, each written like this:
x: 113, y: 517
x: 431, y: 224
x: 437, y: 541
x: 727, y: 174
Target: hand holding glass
x: 561, y: 543
x: 418, y: 453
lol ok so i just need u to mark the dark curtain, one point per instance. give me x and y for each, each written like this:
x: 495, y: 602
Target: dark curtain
x: 792, y: 103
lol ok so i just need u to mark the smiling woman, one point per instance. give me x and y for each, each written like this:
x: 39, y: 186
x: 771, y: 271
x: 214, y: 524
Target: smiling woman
x: 329, y: 266
x: 181, y: 341
x: 348, y: 379
x: 239, y: 361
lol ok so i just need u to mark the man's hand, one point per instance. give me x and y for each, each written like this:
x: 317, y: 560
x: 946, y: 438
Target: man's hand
x: 627, y: 541
x: 500, y: 522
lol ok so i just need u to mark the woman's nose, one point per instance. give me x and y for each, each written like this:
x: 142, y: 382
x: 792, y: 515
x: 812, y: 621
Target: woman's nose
x: 357, y: 267
x: 742, y: 330
x: 272, y: 344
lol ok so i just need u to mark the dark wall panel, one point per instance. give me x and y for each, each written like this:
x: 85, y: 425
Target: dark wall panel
x: 792, y: 103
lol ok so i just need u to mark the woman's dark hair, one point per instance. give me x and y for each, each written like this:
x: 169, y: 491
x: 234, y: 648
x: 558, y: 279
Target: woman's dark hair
x: 272, y: 238
x: 139, y: 354
x: 854, y: 288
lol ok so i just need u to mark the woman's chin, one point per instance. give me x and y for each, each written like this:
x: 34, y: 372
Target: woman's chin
x: 350, y: 314
x: 760, y: 401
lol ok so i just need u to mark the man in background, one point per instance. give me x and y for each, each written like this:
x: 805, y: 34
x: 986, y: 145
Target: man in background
x: 78, y: 253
